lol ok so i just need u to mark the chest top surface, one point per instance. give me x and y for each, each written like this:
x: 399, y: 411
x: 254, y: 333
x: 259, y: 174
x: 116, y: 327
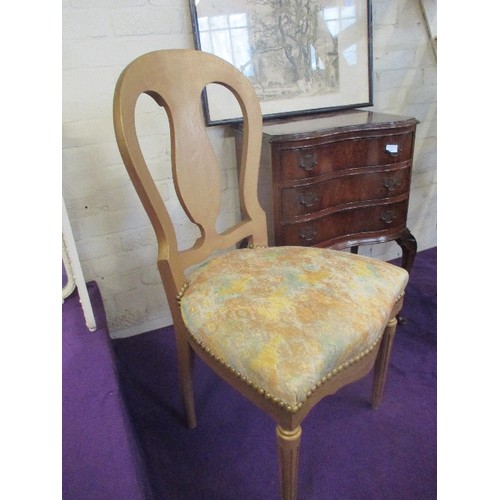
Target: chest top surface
x: 328, y: 124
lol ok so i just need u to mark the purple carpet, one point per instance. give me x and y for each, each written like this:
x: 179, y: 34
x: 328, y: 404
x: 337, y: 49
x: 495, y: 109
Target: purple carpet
x: 349, y: 451
x: 100, y: 456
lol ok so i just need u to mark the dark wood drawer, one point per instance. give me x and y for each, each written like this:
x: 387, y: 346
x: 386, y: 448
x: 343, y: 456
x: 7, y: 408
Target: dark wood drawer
x: 354, y: 187
x: 377, y: 218
x: 338, y: 179
x: 305, y: 162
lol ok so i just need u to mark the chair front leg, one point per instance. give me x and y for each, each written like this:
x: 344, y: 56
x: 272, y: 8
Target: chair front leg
x: 288, y: 448
x: 382, y: 362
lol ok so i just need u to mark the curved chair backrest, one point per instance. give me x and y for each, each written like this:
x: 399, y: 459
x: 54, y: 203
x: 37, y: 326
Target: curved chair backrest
x: 175, y: 79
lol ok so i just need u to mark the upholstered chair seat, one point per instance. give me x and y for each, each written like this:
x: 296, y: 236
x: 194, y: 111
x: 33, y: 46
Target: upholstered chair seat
x: 287, y: 318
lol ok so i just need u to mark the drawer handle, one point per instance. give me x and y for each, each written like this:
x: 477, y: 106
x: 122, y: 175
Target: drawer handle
x: 392, y: 149
x: 388, y: 217
x: 391, y: 184
x: 308, y: 233
x: 308, y: 162
x: 309, y: 199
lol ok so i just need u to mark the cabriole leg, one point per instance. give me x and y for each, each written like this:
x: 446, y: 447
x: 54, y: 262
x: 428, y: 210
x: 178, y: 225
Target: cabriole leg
x: 408, y: 245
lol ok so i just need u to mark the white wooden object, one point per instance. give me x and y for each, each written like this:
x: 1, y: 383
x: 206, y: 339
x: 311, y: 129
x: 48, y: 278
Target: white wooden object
x: 429, y: 9
x: 74, y: 271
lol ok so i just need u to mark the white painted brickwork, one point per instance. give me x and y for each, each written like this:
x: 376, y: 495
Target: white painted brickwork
x: 114, y: 238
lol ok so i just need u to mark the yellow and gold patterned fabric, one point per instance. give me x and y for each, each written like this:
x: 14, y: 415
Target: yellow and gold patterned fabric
x: 286, y: 317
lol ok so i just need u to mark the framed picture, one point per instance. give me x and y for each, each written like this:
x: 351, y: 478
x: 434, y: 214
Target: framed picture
x: 302, y: 56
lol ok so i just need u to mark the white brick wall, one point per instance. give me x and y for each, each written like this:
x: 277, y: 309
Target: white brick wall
x: 405, y: 83
x: 114, y: 238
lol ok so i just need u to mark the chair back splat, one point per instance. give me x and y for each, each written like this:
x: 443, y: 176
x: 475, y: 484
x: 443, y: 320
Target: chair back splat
x: 284, y: 326
x: 175, y: 79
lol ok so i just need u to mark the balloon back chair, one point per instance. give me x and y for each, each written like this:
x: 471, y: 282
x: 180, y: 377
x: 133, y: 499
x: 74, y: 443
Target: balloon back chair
x: 284, y: 326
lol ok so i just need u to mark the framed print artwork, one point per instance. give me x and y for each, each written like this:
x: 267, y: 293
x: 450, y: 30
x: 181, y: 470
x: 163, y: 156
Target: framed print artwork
x: 302, y: 56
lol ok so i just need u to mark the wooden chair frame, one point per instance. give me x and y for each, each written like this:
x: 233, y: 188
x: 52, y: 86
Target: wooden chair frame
x: 175, y: 80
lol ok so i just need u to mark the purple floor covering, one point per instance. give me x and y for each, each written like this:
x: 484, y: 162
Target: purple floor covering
x: 100, y: 457
x: 348, y: 451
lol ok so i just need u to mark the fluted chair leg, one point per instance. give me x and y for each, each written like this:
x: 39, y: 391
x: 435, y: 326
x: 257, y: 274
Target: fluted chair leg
x: 185, y: 360
x: 382, y: 362
x: 288, y: 448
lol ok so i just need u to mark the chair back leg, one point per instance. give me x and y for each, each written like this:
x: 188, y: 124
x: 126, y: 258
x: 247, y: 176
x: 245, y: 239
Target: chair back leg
x: 185, y: 362
x: 382, y: 362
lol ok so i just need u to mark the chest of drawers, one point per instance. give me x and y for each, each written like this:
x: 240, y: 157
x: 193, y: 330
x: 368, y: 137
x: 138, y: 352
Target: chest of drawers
x: 339, y: 180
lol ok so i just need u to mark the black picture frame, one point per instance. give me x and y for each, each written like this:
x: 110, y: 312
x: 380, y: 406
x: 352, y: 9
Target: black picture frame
x: 313, y: 57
